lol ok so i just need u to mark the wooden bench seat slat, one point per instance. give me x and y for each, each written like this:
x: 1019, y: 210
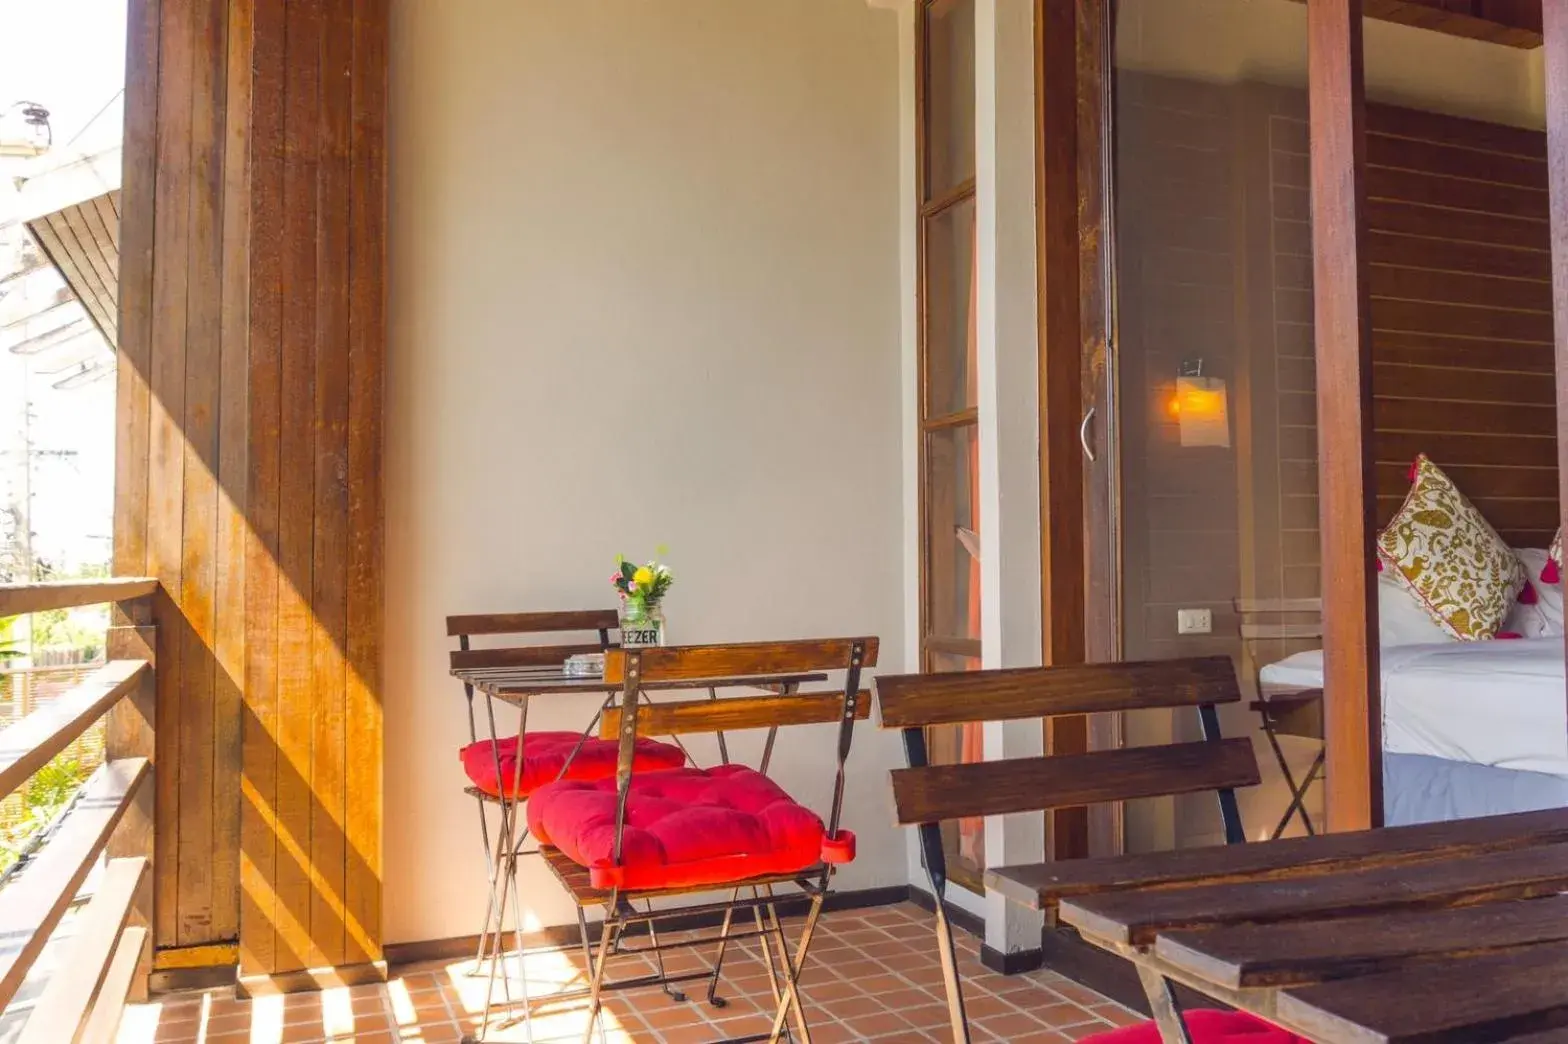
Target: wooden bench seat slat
x: 734, y: 713
x: 103, y: 1022
x: 1032, y: 692
x: 940, y: 792
x: 1135, y: 916
x: 61, y: 1012
x: 1495, y: 997
x: 1041, y: 885
x: 533, y: 623
x: 31, y: 743
x: 1294, y: 954
x: 32, y: 905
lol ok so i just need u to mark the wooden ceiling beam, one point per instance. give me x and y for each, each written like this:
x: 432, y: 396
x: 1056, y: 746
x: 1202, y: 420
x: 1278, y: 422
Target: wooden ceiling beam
x: 1513, y: 23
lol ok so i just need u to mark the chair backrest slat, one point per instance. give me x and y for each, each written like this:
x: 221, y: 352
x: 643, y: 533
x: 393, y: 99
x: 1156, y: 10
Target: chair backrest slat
x: 533, y: 623
x: 519, y: 656
x: 1042, y: 692
x: 733, y: 713
x: 697, y: 662
x: 990, y: 788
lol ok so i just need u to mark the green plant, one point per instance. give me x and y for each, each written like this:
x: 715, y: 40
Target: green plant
x: 49, y: 791
x: 10, y: 643
x: 643, y: 585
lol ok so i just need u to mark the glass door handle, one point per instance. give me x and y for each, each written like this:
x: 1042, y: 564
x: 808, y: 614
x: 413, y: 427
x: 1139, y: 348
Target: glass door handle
x: 1083, y: 435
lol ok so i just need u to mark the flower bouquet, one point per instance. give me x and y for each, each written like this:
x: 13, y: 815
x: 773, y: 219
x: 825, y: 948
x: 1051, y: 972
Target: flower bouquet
x: 642, y: 589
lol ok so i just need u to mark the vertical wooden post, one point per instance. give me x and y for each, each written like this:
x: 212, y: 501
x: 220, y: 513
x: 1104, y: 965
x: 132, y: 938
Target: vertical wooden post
x: 1061, y: 384
x: 1555, y: 30
x: 1353, y: 726
x: 130, y: 733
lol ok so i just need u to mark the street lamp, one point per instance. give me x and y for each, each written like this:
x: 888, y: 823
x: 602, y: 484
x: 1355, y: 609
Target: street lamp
x: 32, y: 138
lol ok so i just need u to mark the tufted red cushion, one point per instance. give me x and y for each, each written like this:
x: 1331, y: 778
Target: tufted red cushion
x: 1206, y: 1027
x: 548, y: 751
x: 683, y: 828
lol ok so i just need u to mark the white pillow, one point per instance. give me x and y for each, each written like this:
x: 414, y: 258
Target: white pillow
x: 1544, y: 619
x: 1401, y: 619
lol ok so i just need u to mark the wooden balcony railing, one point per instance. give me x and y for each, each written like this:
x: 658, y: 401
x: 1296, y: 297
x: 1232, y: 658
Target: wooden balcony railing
x: 106, y: 959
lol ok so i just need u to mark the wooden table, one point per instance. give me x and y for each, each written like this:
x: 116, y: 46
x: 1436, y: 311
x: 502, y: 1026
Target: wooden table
x: 1444, y: 933
x: 515, y: 684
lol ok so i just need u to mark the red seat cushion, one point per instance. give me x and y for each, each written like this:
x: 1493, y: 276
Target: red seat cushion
x: 547, y: 753
x: 1205, y: 1027
x: 684, y: 828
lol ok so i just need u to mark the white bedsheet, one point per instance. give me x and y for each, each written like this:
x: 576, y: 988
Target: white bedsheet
x: 1499, y: 703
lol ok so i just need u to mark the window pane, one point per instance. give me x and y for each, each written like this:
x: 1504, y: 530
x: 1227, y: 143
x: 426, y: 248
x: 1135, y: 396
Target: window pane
x: 952, y: 533
x: 950, y: 95
x: 963, y: 839
x: 950, y: 309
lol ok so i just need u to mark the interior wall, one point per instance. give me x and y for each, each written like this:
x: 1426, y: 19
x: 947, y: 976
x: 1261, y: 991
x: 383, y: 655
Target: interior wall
x: 645, y: 291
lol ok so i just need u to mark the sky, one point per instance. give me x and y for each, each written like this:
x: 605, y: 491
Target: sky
x: 68, y: 56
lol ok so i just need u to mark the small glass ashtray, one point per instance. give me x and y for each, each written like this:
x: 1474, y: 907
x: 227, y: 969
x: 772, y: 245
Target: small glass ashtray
x: 585, y: 665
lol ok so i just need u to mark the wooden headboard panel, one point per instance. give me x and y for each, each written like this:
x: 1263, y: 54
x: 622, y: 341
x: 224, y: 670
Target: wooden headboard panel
x: 1461, y: 309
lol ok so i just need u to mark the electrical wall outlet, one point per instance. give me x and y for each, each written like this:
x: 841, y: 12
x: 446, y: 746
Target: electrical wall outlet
x: 1194, y: 621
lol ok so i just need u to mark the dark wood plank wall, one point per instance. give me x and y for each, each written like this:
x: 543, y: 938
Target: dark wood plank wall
x: 248, y: 473
x: 1461, y: 315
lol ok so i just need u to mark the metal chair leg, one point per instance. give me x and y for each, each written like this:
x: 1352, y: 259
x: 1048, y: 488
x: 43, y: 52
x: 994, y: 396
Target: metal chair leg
x: 676, y: 995
x: 958, y: 1019
x: 791, y: 976
x: 582, y: 928
x: 517, y: 932
x: 490, y: 876
x: 596, y: 981
x: 718, y: 958
x: 792, y: 969
x: 1162, y: 1002
x: 1299, y: 798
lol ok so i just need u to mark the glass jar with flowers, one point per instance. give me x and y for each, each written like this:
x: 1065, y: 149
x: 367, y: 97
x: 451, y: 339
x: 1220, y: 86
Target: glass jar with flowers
x: 642, y: 589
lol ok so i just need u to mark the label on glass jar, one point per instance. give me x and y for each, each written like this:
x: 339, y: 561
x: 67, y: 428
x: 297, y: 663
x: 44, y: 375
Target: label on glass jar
x: 640, y: 635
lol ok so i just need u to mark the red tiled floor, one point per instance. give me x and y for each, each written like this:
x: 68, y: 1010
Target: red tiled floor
x: 873, y: 976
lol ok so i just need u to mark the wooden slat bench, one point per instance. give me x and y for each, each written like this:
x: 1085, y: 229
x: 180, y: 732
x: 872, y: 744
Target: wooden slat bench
x: 925, y: 795
x: 1444, y: 933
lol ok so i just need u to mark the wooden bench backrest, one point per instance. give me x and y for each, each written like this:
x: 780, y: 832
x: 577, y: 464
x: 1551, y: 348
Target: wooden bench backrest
x: 925, y: 794
x: 568, y: 622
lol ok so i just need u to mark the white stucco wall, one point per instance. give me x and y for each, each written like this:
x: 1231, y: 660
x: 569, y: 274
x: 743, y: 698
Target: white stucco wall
x: 645, y: 289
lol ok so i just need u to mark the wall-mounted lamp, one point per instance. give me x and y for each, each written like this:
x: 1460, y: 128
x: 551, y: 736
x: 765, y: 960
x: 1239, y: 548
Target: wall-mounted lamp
x: 1201, y: 407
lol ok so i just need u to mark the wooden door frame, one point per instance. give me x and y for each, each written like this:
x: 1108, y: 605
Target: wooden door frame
x: 1342, y: 343
x: 1079, y: 552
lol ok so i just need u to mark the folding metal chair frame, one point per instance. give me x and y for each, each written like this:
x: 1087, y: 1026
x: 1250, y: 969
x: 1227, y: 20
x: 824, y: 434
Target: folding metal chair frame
x: 784, y: 969
x: 511, y: 834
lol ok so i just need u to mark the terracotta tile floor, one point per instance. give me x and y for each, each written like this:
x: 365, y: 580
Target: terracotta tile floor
x: 873, y: 976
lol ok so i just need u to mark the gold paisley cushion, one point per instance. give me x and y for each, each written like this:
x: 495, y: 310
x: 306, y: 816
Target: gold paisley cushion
x: 1553, y: 571
x: 1440, y: 548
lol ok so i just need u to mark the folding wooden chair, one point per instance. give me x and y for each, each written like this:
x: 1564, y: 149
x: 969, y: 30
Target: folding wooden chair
x: 925, y: 795
x: 491, y: 785
x: 702, y: 831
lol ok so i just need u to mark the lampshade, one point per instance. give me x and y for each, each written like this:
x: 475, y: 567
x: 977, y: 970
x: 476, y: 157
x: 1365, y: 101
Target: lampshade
x: 1202, y: 412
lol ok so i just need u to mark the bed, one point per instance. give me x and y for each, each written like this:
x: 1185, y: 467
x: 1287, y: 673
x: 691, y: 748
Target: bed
x: 1469, y: 728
